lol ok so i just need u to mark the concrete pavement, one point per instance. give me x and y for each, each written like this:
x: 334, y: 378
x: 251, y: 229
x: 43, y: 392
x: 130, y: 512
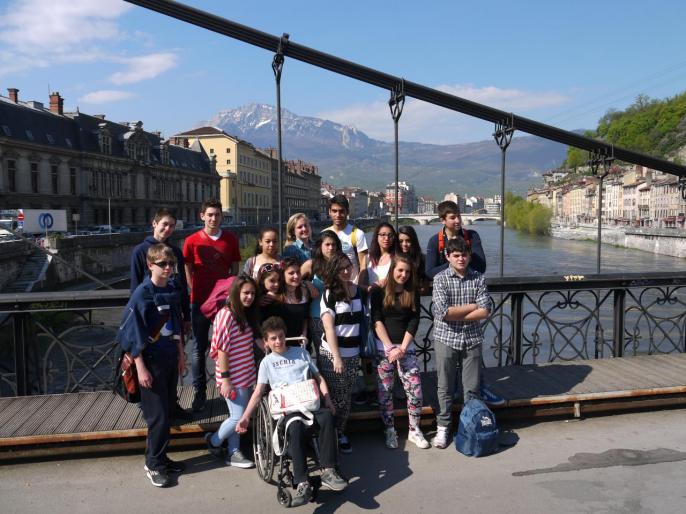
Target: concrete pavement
x: 625, y: 463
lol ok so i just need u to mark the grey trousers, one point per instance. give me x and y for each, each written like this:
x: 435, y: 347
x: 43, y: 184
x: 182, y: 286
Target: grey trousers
x: 447, y: 361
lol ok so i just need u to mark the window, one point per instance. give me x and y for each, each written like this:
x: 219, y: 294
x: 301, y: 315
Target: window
x: 72, y: 181
x: 228, y: 161
x: 54, y: 179
x: 29, y: 135
x: 12, y: 175
x: 211, y: 150
x: 228, y: 150
x: 134, y: 185
x: 68, y: 141
x: 51, y: 139
x: 34, y: 177
x: 6, y: 130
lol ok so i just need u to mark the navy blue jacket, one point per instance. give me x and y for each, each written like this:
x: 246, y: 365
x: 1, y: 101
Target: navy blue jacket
x: 436, y: 262
x: 142, y: 317
x: 139, y: 270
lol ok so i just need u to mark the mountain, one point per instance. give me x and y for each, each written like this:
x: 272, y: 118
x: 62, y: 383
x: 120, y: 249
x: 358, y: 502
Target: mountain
x: 347, y: 156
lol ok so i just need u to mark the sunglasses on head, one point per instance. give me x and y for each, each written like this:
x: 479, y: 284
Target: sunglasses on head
x: 164, y: 264
x: 268, y: 268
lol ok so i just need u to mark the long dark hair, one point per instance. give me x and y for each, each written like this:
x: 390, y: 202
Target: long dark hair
x: 407, y: 296
x: 263, y: 231
x: 318, y: 260
x: 266, y: 270
x: 337, y: 288
x: 415, y: 252
x: 244, y: 317
x: 375, y: 249
x: 291, y: 262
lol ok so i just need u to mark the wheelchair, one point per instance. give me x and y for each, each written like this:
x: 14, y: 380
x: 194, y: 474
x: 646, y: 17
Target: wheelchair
x: 266, y: 459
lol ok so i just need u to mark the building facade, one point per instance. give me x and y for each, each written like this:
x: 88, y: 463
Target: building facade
x: 99, y: 171
x: 245, y: 173
x: 407, y: 198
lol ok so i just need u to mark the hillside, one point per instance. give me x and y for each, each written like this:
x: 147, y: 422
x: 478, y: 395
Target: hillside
x: 650, y: 126
x: 347, y: 156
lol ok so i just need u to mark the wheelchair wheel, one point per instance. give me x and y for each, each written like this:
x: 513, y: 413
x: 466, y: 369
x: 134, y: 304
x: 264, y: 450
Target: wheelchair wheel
x: 263, y: 426
x: 284, y: 497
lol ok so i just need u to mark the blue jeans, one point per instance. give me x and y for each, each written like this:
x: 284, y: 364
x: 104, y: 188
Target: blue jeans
x: 227, y: 430
x: 201, y: 331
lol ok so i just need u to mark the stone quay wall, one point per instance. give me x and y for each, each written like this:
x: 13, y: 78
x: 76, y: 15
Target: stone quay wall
x: 662, y: 241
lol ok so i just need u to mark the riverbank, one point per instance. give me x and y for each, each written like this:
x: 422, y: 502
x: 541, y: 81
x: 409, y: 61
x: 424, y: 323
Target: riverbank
x: 670, y: 242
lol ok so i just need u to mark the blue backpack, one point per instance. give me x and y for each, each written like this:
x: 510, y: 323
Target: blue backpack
x: 477, y: 434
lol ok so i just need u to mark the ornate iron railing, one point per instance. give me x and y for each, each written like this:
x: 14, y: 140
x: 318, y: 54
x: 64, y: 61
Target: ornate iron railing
x: 64, y: 342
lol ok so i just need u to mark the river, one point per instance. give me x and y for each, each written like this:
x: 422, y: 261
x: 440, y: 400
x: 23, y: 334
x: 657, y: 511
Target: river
x: 527, y: 254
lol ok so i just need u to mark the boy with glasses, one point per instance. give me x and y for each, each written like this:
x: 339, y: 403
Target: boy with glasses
x: 151, y: 332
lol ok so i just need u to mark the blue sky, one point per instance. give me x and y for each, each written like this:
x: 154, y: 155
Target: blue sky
x: 563, y: 63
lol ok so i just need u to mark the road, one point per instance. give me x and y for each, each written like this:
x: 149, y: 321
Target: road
x: 625, y: 463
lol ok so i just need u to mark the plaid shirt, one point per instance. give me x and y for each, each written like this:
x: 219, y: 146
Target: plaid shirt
x: 450, y: 290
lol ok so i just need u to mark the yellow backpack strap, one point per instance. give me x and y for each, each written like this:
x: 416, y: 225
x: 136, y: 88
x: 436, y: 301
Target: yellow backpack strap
x: 353, y: 238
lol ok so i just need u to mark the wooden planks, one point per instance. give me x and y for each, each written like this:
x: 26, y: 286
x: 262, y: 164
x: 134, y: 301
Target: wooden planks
x: 549, y: 388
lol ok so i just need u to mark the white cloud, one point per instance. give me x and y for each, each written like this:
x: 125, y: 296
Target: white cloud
x: 427, y: 123
x: 37, y: 32
x: 143, y: 68
x: 41, y: 33
x: 106, y: 96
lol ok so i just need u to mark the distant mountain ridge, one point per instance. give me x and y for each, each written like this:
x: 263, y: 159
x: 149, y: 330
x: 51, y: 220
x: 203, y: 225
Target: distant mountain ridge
x: 347, y: 156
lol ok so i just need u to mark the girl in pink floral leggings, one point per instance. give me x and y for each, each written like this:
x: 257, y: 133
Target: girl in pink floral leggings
x: 395, y: 320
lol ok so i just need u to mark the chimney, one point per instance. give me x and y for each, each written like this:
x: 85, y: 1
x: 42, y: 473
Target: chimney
x: 56, y: 102
x: 14, y: 94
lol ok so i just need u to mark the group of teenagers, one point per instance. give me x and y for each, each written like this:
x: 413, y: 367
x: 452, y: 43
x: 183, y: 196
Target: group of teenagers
x: 308, y: 307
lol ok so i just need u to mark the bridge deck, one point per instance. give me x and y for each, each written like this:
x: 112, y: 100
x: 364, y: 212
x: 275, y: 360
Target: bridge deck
x: 571, y: 388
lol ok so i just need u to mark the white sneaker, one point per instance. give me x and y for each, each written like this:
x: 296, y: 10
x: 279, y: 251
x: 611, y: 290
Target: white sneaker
x: 391, y: 438
x: 440, y: 440
x: 415, y: 436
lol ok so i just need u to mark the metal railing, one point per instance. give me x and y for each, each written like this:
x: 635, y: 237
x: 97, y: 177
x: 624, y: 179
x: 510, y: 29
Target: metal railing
x: 64, y: 342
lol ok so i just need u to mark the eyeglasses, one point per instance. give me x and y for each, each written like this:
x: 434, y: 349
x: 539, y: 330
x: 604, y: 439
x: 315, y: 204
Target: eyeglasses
x: 388, y: 235
x: 164, y: 264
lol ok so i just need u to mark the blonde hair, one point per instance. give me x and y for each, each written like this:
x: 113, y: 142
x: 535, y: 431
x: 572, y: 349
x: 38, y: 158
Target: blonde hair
x: 290, y: 227
x: 160, y: 251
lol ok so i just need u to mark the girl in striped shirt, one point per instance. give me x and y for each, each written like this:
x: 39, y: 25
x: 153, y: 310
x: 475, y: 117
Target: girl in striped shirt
x: 341, y: 314
x: 235, y: 373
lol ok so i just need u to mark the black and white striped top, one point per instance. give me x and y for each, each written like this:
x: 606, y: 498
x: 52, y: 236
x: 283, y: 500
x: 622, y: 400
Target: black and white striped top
x: 347, y: 321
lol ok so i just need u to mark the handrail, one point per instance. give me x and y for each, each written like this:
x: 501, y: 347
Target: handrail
x: 78, y: 300
x: 389, y: 82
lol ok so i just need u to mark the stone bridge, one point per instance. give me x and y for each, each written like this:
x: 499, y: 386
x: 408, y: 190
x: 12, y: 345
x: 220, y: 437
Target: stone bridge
x: 467, y: 219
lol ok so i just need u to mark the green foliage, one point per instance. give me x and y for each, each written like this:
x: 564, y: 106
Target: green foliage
x: 650, y: 126
x: 527, y: 217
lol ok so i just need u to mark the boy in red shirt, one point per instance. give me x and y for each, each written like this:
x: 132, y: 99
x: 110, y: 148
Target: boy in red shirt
x: 210, y: 254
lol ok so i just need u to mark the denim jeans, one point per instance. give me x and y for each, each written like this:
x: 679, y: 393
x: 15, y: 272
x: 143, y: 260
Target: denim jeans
x: 201, y: 331
x: 227, y: 430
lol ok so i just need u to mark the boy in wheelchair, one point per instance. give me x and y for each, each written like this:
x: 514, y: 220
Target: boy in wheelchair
x: 286, y: 366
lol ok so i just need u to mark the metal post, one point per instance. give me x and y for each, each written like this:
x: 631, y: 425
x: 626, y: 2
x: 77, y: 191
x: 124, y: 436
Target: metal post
x: 516, y: 301
x: 277, y: 67
x: 503, y: 137
x: 596, y: 159
x: 396, y: 104
x: 21, y: 368
x: 618, y: 331
x: 600, y: 223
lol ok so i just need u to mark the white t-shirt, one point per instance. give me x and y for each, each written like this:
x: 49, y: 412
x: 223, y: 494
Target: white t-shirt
x: 345, y: 236
x: 378, y: 272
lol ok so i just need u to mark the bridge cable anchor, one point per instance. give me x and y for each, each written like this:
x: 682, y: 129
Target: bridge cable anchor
x: 396, y: 103
x: 277, y: 68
